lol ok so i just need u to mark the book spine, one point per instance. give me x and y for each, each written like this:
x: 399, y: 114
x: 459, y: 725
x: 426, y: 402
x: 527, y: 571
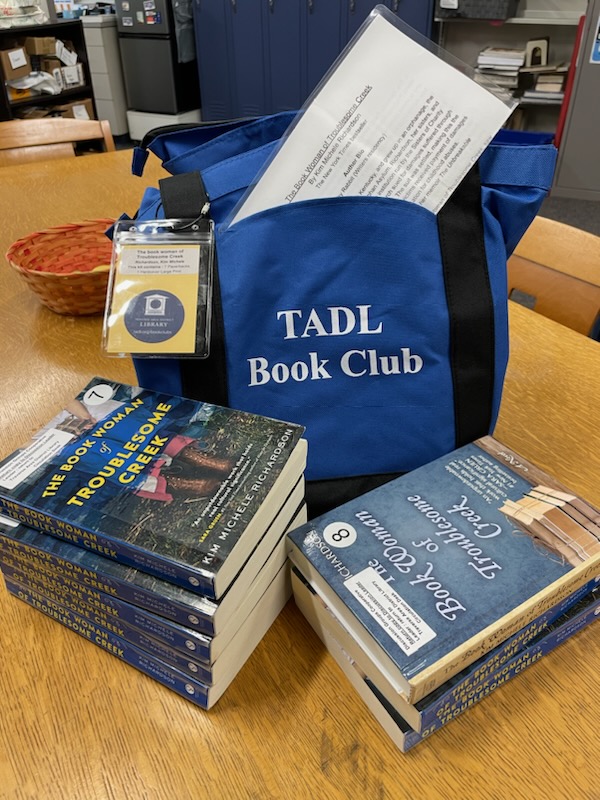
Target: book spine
x: 195, y: 580
x: 119, y: 627
x: 524, y: 658
x: 479, y: 673
x: 548, y: 598
x: 188, y: 616
x: 195, y: 691
x: 78, y: 598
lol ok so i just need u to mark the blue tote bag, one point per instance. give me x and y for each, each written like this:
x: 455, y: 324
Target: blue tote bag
x: 379, y: 326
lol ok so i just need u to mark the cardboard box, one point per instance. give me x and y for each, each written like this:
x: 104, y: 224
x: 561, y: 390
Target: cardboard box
x: 15, y: 63
x: 72, y: 77
x: 48, y: 64
x: 33, y: 112
x: 68, y: 77
x: 78, y: 109
x: 40, y: 45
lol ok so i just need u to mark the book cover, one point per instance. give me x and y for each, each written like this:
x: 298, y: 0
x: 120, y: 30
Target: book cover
x: 203, y: 695
x: 195, y: 691
x: 583, y: 613
x: 230, y: 658
x: 83, y: 594
x: 74, y: 563
x: 452, y: 695
x: 175, y: 487
x: 429, y: 574
x: 102, y: 621
x: 80, y: 599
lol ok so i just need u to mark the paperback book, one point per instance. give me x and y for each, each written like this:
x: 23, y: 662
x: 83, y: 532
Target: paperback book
x: 180, y: 639
x: 76, y: 565
x: 456, y: 694
x: 178, y: 488
x: 84, y: 599
x: 582, y: 614
x: 430, y: 572
x: 204, y: 695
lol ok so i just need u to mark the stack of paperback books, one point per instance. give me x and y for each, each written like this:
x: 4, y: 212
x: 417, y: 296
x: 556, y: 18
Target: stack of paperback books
x: 439, y: 586
x: 155, y: 527
x: 500, y: 66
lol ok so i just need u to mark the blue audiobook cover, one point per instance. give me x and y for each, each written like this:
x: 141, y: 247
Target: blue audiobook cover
x: 437, y: 567
x: 176, y: 487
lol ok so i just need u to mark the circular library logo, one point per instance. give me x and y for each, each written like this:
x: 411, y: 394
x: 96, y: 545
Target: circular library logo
x: 339, y: 534
x: 154, y: 316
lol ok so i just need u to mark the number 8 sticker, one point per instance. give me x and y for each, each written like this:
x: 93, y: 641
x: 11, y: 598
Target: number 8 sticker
x: 339, y: 534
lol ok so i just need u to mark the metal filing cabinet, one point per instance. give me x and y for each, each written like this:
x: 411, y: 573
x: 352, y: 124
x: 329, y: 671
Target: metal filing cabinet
x: 578, y: 167
x: 104, y: 60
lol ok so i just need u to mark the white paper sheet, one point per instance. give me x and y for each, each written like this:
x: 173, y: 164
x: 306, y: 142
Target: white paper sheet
x: 393, y: 120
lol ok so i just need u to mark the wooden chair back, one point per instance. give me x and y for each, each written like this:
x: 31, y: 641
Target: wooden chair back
x: 25, y: 140
x: 555, y: 270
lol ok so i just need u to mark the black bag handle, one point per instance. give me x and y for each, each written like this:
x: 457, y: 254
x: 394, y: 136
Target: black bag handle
x: 471, y: 308
x: 184, y: 197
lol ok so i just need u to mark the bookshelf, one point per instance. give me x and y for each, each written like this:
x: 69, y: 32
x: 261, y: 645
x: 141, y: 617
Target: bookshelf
x: 65, y: 30
x: 535, y: 19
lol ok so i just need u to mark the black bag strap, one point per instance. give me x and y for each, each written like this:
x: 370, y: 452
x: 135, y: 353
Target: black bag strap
x: 471, y: 309
x: 184, y: 197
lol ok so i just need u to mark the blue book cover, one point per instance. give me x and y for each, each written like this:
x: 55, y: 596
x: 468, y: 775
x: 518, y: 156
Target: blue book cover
x: 47, y: 599
x: 176, y: 487
x: 78, y: 565
x: 148, y: 656
x: 82, y: 600
x: 197, y: 692
x: 451, y: 695
x: 436, y: 568
x: 580, y: 615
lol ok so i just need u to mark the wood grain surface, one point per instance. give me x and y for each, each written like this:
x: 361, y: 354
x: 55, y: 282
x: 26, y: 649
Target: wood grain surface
x: 77, y: 724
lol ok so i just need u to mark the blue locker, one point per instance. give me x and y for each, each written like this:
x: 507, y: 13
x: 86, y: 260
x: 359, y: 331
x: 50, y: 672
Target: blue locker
x: 416, y: 13
x: 214, y: 58
x: 323, y: 37
x: 263, y: 56
x: 284, y: 55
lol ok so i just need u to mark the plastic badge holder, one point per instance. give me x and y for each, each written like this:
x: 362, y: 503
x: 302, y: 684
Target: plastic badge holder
x: 158, y: 298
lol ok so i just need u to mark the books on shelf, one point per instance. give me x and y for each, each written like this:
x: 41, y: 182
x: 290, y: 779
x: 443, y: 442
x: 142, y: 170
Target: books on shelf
x: 499, y: 66
x: 544, y: 87
x: 501, y: 57
x: 155, y: 526
x: 429, y: 573
x: 178, y: 488
x: 543, y: 98
x: 507, y: 68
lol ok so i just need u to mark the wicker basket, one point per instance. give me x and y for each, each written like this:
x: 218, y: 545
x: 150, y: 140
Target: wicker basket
x: 67, y: 267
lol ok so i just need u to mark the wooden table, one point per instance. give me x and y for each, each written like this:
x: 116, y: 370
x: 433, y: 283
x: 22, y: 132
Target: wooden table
x: 76, y: 724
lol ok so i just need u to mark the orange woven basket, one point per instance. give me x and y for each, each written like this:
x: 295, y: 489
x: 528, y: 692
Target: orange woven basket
x: 67, y: 267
